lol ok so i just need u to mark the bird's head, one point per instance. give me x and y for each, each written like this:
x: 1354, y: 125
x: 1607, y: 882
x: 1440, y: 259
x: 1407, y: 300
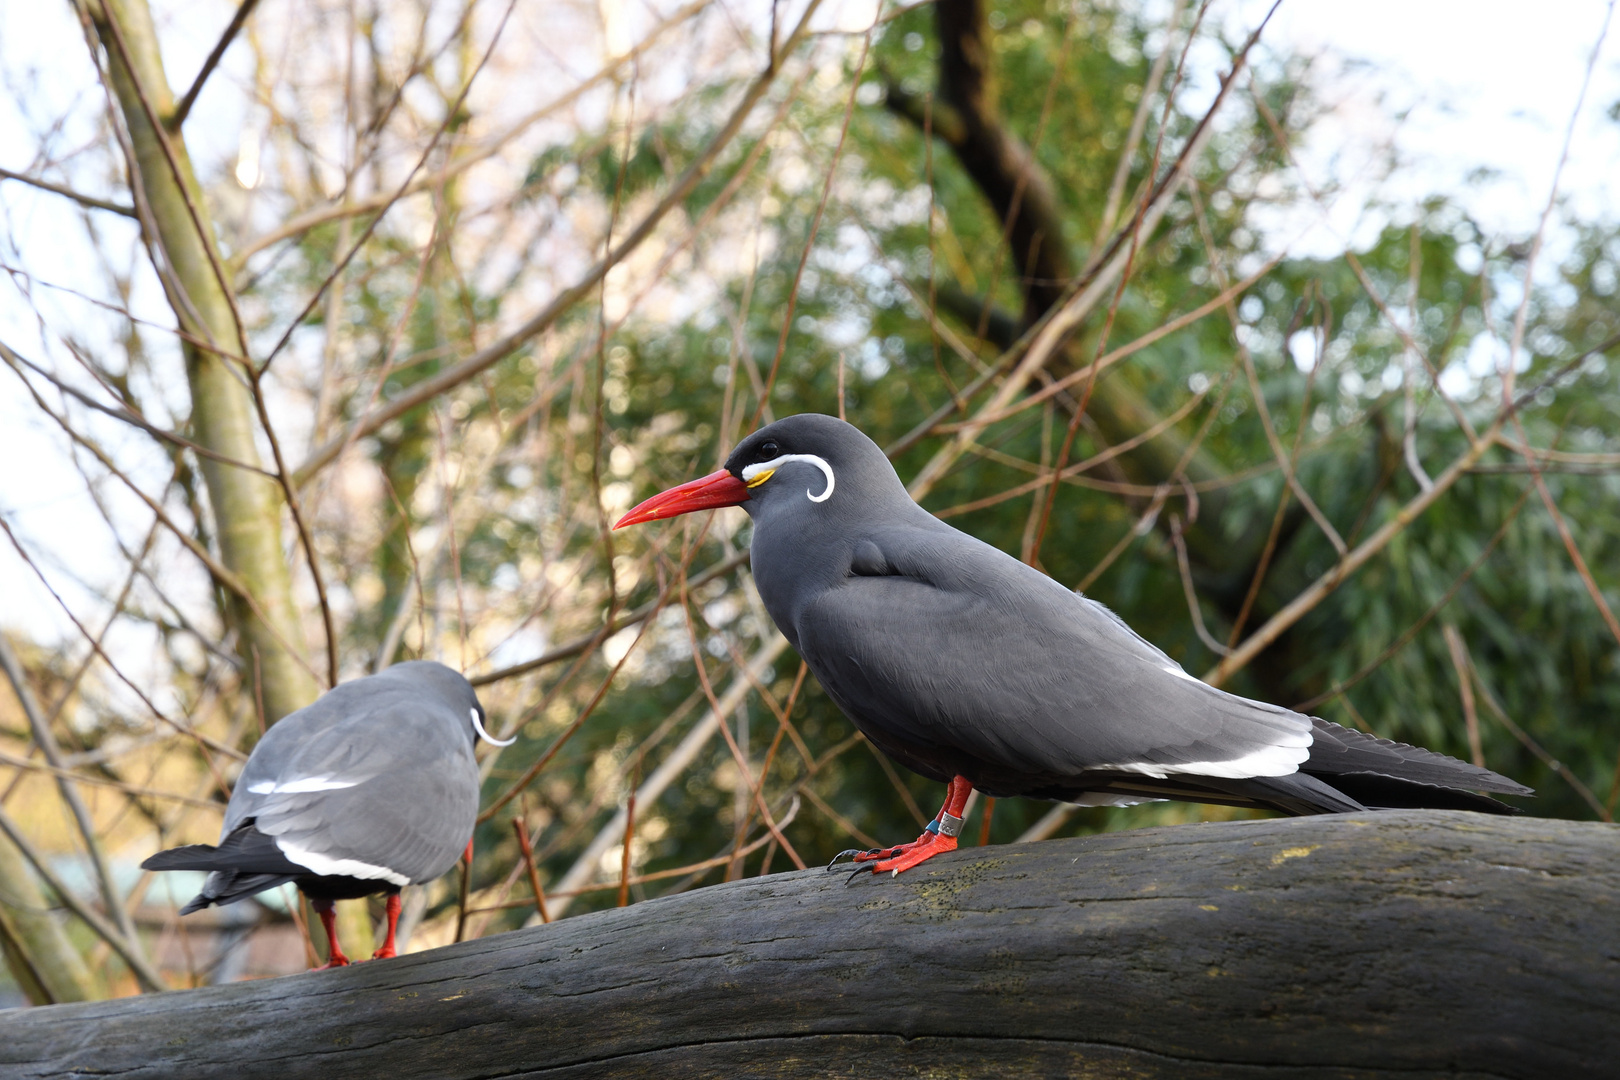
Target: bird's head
x: 804, y: 464
x: 428, y: 680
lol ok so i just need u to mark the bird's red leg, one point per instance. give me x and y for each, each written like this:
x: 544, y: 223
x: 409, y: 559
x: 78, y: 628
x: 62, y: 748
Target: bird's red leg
x: 387, y: 949
x: 326, y: 909
x: 939, y: 836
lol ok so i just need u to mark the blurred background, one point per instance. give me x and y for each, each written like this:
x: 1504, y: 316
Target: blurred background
x: 337, y: 332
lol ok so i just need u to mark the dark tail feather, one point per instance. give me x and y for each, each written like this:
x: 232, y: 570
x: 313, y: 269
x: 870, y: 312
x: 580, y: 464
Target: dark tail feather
x: 1297, y: 793
x: 1350, y: 771
x: 1346, y: 772
x: 1398, y: 793
x: 247, y: 850
x: 1340, y: 752
x: 244, y: 863
x: 224, y: 887
x: 190, y: 857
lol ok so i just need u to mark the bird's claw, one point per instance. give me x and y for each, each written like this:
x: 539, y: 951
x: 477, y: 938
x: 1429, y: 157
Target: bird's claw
x: 862, y: 855
x: 854, y: 853
x: 914, y: 855
x: 870, y: 854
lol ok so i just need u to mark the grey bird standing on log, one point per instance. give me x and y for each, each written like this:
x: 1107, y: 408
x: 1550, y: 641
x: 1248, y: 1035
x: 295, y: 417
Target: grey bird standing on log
x: 969, y: 667
x: 371, y: 788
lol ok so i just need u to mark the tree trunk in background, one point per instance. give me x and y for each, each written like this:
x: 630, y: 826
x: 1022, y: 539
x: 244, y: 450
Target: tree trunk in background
x: 1409, y: 944
x: 967, y: 118
x: 37, y: 952
x: 247, y: 506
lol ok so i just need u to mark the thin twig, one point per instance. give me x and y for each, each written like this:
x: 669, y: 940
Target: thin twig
x: 227, y: 578
x: 865, y: 838
x: 66, y: 773
x: 1190, y: 592
x: 815, y: 226
x: 95, y: 644
x: 587, y: 862
x: 1465, y: 685
x: 661, y: 875
x: 68, y: 193
x: 1530, y: 743
x: 731, y: 742
x: 46, y: 741
x: 182, y: 110
x: 1434, y: 609
x: 492, y: 353
x: 450, y: 115
x: 299, y: 224
x: 1122, y: 171
x: 528, y: 863
x: 144, y: 972
x: 624, y: 855
x: 1032, y: 352
x: 128, y: 415
x: 466, y: 885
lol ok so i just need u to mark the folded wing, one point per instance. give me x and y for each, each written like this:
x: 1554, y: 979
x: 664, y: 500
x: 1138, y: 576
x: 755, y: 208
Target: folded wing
x: 390, y: 793
x: 953, y: 643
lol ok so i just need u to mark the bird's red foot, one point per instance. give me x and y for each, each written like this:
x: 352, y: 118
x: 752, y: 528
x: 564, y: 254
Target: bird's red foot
x: 327, y: 910
x: 388, y: 949
x: 920, y: 850
x: 939, y: 836
x: 876, y: 854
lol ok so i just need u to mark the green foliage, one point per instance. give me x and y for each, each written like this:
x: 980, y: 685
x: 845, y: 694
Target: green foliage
x: 906, y: 223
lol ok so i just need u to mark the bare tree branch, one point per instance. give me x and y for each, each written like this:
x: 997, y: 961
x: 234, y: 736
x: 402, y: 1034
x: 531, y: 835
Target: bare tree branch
x: 66, y: 192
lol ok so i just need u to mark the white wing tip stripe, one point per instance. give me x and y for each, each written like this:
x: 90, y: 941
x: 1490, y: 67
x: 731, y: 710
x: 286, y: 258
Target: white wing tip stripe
x: 327, y: 866
x: 300, y: 786
x: 751, y: 471
x: 1267, y: 761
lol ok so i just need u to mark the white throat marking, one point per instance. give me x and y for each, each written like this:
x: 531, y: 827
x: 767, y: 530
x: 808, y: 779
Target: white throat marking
x: 754, y: 470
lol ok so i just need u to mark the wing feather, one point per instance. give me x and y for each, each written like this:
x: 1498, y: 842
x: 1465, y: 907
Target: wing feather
x: 964, y: 647
x: 381, y: 782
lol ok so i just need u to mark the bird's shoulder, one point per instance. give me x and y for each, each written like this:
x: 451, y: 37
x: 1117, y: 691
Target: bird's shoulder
x: 967, y: 572
x: 932, y: 552
x: 343, y: 740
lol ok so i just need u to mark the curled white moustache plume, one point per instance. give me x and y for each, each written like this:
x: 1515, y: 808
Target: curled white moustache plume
x: 821, y: 463
x: 478, y: 725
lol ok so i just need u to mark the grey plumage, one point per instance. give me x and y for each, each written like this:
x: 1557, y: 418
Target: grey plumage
x: 371, y: 787
x: 956, y: 659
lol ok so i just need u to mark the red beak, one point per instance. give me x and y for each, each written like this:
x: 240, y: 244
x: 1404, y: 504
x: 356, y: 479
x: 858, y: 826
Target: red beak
x: 705, y: 493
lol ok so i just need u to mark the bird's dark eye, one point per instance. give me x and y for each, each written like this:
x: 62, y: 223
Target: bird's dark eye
x: 768, y: 449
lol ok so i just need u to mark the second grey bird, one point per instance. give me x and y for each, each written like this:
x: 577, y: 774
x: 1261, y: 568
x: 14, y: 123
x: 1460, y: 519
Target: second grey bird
x: 971, y: 668
x: 371, y: 788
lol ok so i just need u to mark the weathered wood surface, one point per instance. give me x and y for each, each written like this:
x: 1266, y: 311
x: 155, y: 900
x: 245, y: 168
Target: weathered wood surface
x: 1412, y: 944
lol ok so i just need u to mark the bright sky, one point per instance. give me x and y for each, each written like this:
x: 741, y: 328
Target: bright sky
x: 1482, y: 84
x: 1479, y: 85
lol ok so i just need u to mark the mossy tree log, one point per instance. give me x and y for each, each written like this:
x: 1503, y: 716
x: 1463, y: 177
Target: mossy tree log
x: 1417, y: 944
